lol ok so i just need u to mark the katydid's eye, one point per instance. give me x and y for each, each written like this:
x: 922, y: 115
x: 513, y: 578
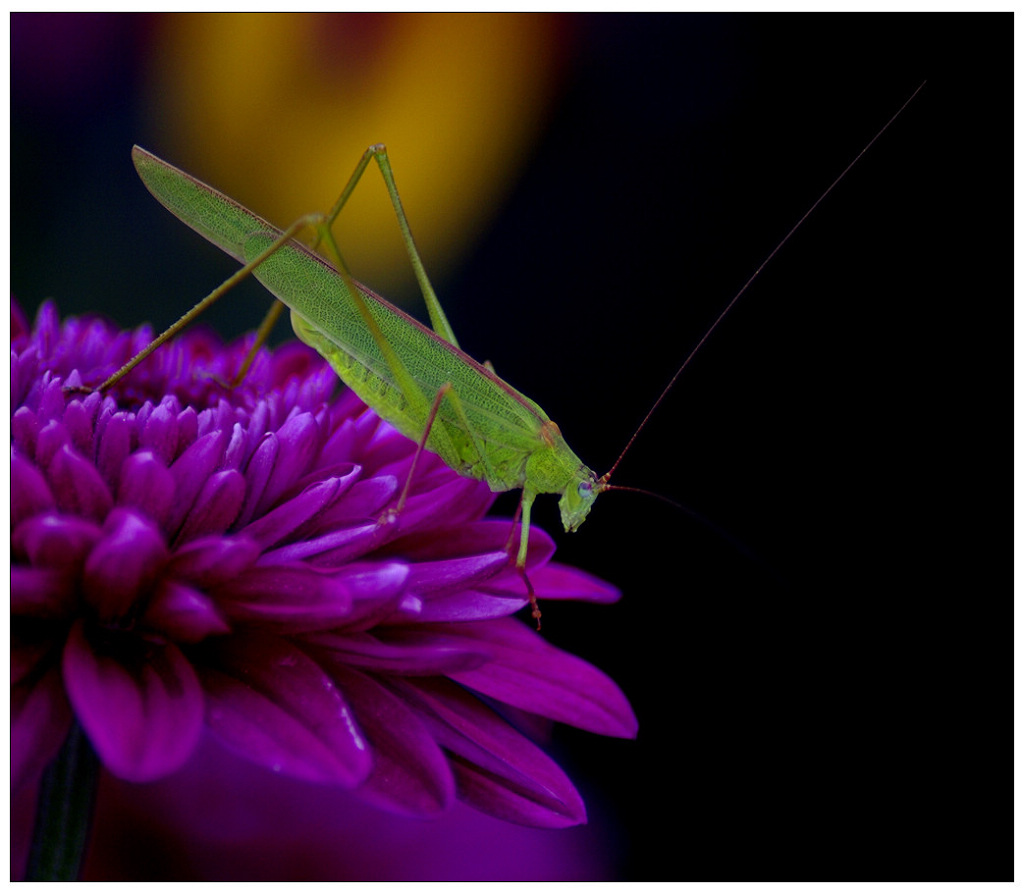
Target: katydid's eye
x: 583, y: 489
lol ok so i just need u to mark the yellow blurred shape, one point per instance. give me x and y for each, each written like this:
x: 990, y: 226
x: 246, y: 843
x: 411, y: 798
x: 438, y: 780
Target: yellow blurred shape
x: 275, y: 110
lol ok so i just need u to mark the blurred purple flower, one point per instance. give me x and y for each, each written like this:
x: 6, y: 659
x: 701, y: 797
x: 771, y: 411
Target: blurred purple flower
x: 184, y: 555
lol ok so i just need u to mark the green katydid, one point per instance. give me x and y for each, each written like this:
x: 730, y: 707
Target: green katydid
x: 415, y: 378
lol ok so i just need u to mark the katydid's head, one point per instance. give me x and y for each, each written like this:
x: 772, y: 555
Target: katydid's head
x: 578, y: 497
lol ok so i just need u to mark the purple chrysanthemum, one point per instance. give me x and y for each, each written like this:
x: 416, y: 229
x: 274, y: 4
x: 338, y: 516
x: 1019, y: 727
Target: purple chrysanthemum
x: 186, y: 555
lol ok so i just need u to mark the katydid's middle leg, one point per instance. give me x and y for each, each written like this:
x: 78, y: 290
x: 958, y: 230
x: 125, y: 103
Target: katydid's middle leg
x: 422, y: 444
x: 262, y: 335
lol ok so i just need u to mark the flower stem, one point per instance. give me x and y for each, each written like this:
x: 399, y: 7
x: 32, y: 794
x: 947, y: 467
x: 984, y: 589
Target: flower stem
x: 64, y: 811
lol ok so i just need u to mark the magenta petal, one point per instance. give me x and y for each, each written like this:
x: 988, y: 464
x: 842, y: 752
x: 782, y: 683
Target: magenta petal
x: 286, y: 598
x: 506, y: 800
x: 160, y: 432
x: 498, y: 770
x: 143, y: 714
x: 40, y: 720
x: 53, y: 437
x: 30, y: 494
x: 275, y: 706
x: 410, y: 773
x: 298, y: 443
x: 336, y: 548
x: 376, y: 589
x: 183, y: 614
x: 469, y: 604
x: 287, y: 518
x: 257, y: 474
x: 191, y: 471
x: 51, y: 404
x: 365, y: 500
x: 472, y: 539
x: 55, y: 541
x: 147, y: 485
x: 555, y: 581
x: 25, y: 431
x: 209, y: 561
x: 79, y: 422
x: 529, y: 673
x: 455, y: 499
x: 43, y: 593
x: 447, y: 575
x: 188, y: 429
x: 505, y: 593
x: 347, y: 472
x: 115, y: 444
x: 124, y: 564
x: 77, y: 486
x: 216, y: 506
x: 297, y: 598
x: 407, y: 651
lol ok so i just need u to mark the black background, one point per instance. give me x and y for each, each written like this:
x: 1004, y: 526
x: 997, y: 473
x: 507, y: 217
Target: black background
x: 824, y: 693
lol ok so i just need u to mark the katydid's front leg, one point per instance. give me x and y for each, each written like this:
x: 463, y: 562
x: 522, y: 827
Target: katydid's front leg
x: 525, y: 505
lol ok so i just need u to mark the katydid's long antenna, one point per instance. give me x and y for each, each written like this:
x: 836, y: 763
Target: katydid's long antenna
x: 607, y: 475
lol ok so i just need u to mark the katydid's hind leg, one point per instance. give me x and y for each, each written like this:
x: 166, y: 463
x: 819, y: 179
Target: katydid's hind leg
x: 379, y: 153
